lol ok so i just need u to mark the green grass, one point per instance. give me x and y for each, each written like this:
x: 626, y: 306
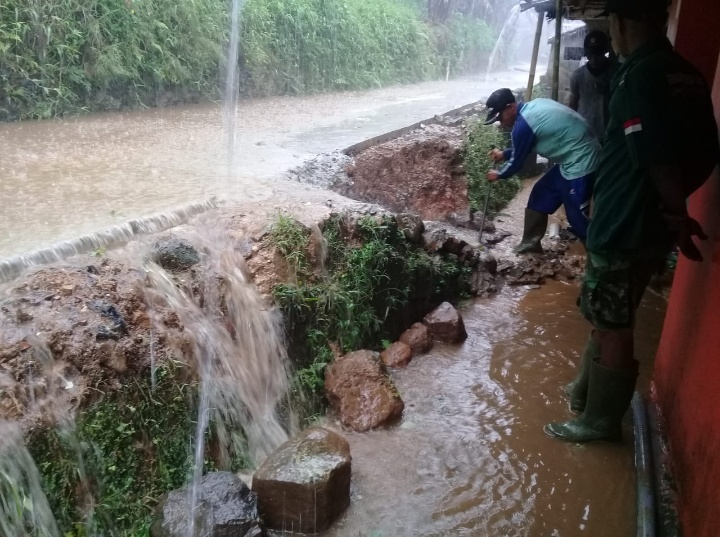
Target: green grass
x: 376, y: 288
x: 481, y: 138
x: 71, y: 56
x: 68, y: 56
x: 124, y: 452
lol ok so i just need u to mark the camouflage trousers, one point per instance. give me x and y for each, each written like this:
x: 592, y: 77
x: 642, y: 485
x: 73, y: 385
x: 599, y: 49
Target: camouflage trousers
x: 613, y: 288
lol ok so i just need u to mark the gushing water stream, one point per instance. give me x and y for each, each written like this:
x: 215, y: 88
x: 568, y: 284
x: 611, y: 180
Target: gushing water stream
x: 23, y: 505
x: 504, y: 39
x: 239, y: 355
x: 232, y: 85
x: 235, y: 350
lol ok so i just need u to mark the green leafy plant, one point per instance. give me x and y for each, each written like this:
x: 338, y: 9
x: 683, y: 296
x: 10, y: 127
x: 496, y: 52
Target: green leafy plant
x: 105, y: 474
x: 480, y: 139
x: 292, y: 240
x: 379, y: 283
x: 71, y: 56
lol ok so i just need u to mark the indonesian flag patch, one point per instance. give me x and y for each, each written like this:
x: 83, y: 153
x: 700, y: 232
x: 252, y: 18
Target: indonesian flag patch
x: 632, y: 125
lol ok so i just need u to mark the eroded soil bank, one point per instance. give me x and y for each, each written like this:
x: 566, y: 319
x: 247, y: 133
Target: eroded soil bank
x: 468, y: 456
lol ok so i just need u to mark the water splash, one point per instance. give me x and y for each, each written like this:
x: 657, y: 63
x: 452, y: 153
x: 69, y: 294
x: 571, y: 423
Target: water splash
x: 153, y: 364
x: 320, y: 247
x: 239, y: 354
x: 505, y: 38
x: 232, y: 84
x: 115, y: 236
x: 24, y: 509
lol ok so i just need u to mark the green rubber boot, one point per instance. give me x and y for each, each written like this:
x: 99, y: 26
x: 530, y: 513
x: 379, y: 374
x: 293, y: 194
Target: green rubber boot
x: 609, y: 395
x: 577, y: 390
x: 533, y: 232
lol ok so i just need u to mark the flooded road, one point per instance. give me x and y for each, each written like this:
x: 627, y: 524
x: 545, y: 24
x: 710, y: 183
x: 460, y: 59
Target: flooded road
x: 470, y: 458
x: 60, y: 179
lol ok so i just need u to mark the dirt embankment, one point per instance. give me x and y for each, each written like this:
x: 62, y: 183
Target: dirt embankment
x: 72, y: 330
x: 420, y: 172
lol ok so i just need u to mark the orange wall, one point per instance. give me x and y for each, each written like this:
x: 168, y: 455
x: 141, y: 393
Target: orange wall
x: 687, y: 368
x: 694, y: 26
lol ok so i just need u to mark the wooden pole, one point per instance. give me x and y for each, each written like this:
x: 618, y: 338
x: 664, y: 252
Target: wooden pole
x: 556, y: 58
x: 533, y: 61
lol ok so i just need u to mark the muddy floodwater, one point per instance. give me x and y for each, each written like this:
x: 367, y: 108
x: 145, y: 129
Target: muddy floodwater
x: 60, y: 179
x: 470, y: 458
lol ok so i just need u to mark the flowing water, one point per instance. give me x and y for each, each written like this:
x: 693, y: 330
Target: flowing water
x: 23, y: 505
x: 237, y: 350
x: 470, y: 458
x: 515, y: 41
x: 232, y: 87
x: 66, y: 178
x: 238, y: 344
x: 239, y: 354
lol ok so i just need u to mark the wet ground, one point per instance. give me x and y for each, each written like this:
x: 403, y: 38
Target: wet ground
x: 470, y: 457
x: 61, y: 179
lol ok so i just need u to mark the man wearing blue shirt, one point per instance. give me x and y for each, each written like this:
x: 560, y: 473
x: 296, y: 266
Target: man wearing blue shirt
x: 561, y: 135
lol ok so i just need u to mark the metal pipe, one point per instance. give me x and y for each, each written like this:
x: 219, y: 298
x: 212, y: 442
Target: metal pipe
x: 646, y: 526
x: 533, y: 61
x: 668, y: 521
x: 556, y: 55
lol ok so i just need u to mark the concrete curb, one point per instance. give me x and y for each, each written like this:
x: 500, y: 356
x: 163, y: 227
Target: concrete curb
x: 462, y: 111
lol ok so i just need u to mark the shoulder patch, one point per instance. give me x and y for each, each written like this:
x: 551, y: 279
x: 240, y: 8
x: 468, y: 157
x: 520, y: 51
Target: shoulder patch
x: 632, y: 125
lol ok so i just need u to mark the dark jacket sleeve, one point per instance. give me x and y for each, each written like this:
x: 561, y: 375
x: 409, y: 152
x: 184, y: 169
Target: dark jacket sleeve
x: 523, y: 140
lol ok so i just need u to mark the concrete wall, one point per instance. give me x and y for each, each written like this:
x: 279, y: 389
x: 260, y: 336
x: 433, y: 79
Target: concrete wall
x: 687, y: 368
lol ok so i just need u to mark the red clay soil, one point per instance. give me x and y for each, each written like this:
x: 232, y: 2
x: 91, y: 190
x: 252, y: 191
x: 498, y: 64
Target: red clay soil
x: 420, y: 172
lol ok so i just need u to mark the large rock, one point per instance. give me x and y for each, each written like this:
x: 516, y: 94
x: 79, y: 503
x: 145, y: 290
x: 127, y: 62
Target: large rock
x: 436, y: 238
x: 305, y: 484
x: 417, y: 337
x: 225, y: 508
x: 486, y: 261
x: 446, y: 324
x: 175, y: 255
x: 411, y: 225
x: 363, y: 395
x: 398, y: 354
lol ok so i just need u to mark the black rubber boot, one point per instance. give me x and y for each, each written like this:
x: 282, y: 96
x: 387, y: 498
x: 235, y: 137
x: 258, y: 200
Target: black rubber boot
x: 609, y: 395
x: 533, y: 232
x: 577, y: 390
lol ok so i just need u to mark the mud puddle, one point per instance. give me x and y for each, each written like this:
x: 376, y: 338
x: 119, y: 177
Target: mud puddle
x: 469, y: 457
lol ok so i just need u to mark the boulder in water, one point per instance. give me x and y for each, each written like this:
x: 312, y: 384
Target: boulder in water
x: 398, y: 354
x: 305, y: 484
x: 446, y: 324
x: 175, y: 255
x: 226, y: 507
x: 361, y: 392
x: 418, y: 338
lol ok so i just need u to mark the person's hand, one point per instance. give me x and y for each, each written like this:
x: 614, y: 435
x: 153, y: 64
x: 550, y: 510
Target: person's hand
x: 496, y: 155
x: 492, y: 176
x: 685, y: 228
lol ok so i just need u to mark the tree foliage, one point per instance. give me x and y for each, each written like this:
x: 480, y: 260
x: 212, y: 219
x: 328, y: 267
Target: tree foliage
x: 68, y: 56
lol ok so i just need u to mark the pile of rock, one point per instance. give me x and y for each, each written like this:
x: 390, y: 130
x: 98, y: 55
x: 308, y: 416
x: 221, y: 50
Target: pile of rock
x: 358, y: 385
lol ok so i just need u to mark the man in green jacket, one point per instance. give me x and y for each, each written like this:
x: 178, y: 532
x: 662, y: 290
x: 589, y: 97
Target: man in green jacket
x: 661, y: 144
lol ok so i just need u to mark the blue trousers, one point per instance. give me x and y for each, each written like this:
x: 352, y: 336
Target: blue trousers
x: 553, y: 190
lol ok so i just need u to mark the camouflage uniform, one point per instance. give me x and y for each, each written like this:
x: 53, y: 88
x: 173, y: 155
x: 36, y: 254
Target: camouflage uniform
x: 650, y: 125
